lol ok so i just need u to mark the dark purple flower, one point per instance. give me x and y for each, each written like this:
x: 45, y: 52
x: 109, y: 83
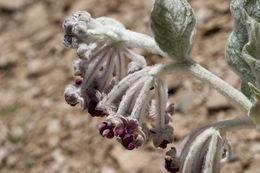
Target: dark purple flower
x: 127, y: 138
x: 164, y: 143
x: 168, y: 165
x: 120, y: 132
x: 130, y: 146
x: 129, y: 133
x: 102, y: 126
x: 78, y: 81
x: 93, y: 111
x: 106, y: 130
x: 108, y: 133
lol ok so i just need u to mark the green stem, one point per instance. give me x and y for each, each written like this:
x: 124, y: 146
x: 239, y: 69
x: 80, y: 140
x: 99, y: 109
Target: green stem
x: 129, y: 38
x: 193, y: 68
x: 235, y: 124
x: 220, y: 85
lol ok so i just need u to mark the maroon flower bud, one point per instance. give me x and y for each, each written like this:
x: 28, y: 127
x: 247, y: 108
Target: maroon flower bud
x: 71, y: 99
x: 164, y: 143
x: 130, y: 146
x: 78, y: 81
x: 93, y: 111
x: 127, y: 139
x: 108, y: 133
x: 106, y: 130
x: 102, y: 127
x: 120, y: 132
x: 168, y: 167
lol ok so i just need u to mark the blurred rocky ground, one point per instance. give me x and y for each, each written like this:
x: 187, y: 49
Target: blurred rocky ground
x: 40, y: 133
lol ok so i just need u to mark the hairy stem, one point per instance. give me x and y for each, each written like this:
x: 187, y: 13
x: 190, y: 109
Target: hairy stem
x: 223, y: 87
x: 130, y: 38
x: 193, y: 68
x: 235, y: 124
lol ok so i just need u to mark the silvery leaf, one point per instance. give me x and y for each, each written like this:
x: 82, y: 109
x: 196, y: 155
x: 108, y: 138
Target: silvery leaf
x: 236, y: 8
x: 255, y: 90
x: 173, y: 25
x: 254, y: 112
x: 251, y: 51
x: 252, y: 7
x: 238, y: 64
x: 253, y: 29
x: 238, y: 39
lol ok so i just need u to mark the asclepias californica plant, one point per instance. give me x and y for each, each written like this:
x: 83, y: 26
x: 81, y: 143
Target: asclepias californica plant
x: 134, y: 100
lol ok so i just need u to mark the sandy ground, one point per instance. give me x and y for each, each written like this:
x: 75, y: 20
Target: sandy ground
x: 40, y: 133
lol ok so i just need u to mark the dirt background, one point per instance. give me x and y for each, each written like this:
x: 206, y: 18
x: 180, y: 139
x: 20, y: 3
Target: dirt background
x: 40, y: 133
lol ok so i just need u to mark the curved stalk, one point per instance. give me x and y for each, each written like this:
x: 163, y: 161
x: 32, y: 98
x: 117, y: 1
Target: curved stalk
x: 220, y: 85
x: 129, y: 38
x: 191, y: 67
x: 235, y: 124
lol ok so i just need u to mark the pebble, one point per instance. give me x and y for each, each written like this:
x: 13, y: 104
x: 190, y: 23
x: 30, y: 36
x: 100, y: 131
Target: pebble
x: 12, y: 4
x: 215, y: 101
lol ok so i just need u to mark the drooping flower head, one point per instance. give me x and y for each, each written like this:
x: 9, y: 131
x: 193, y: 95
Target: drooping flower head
x: 127, y: 131
x: 203, y: 151
x: 129, y: 104
x: 104, y: 89
x: 102, y: 60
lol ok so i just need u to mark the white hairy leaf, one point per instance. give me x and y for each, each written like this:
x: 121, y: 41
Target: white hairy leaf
x: 173, y: 25
x: 238, y: 39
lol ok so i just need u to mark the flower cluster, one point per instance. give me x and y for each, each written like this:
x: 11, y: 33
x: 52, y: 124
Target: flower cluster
x: 136, y: 104
x: 127, y: 131
x: 134, y: 100
x: 138, y: 97
x: 101, y: 62
x: 204, y: 150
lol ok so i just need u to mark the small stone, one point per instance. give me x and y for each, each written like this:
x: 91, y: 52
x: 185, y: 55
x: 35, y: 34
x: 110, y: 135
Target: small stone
x: 107, y: 170
x: 3, y: 154
x: 3, y: 133
x: 53, y: 126
x: 184, y: 102
x: 12, y: 5
x: 58, y: 156
x: 255, y: 148
x: 17, y: 132
x: 135, y: 159
x: 32, y: 16
x: 217, y: 102
x: 204, y: 14
x: 53, y: 141
x: 254, y: 166
x: 12, y: 160
x: 8, y: 61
